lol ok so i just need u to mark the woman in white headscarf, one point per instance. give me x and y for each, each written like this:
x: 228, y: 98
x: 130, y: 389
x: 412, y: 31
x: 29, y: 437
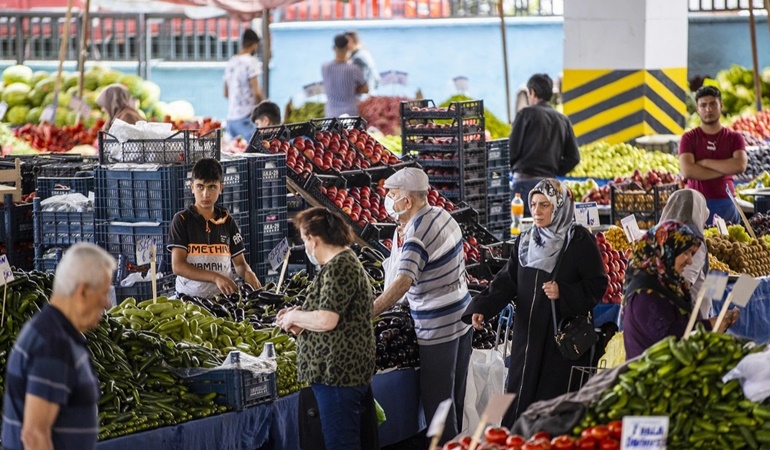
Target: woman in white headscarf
x: 537, y: 370
x: 689, y: 207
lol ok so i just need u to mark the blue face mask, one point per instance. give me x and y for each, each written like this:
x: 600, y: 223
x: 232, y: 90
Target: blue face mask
x: 311, y: 256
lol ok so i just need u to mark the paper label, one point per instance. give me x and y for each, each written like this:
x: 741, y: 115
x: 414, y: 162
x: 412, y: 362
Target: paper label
x: 278, y: 254
x: 715, y: 284
x: 3, y: 109
x: 77, y: 104
x: 587, y: 214
x: 497, y: 406
x: 48, y: 114
x: 145, y: 251
x: 393, y: 77
x: 631, y: 228
x: 439, y: 418
x: 5, y: 269
x: 744, y: 289
x: 461, y: 83
x: 644, y: 432
x: 720, y: 224
x: 313, y: 89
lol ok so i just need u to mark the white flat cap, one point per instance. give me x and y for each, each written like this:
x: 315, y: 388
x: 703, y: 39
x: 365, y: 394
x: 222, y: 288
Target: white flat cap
x: 408, y: 179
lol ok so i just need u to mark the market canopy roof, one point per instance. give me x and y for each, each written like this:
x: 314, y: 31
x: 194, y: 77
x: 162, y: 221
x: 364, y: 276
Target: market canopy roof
x: 244, y: 10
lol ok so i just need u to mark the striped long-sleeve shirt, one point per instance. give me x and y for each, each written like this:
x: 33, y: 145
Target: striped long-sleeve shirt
x: 433, y: 257
x: 341, y: 79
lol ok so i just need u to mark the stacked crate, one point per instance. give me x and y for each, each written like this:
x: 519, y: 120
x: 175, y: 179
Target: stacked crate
x: 498, y: 188
x: 449, y: 144
x: 16, y: 224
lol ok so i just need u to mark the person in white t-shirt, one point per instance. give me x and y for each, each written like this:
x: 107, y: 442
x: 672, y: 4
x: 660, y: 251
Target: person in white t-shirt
x: 242, y: 86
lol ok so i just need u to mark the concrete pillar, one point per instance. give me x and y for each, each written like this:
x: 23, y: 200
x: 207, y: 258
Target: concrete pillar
x: 625, y: 68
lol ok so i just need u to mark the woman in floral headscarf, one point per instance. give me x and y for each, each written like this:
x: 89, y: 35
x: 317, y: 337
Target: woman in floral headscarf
x: 657, y: 297
x: 537, y: 370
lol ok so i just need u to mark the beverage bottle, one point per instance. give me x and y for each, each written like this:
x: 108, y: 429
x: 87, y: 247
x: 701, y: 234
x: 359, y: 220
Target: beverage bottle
x: 517, y: 213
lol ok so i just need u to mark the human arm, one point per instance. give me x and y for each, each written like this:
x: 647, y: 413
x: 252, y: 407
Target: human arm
x: 736, y: 164
x: 570, y: 156
x: 244, y: 271
x: 319, y: 321
x: 362, y: 88
x: 501, y: 291
x: 226, y: 91
x: 181, y: 267
x: 581, y: 279
x: 694, y: 170
x: 392, y: 294
x: 39, y: 417
x: 255, y: 90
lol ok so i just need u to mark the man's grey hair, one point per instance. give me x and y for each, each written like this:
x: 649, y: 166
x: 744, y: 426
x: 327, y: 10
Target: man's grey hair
x: 83, y: 263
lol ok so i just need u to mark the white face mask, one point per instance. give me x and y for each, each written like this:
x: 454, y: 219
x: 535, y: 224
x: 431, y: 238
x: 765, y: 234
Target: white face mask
x: 390, y: 205
x: 311, y: 256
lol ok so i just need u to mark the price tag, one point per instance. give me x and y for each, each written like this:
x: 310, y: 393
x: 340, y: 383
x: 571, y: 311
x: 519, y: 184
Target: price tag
x: 720, y: 224
x: 393, y: 77
x: 631, y: 228
x: 587, y: 214
x: 77, y: 104
x: 145, y: 251
x: 313, y: 89
x: 497, y: 406
x: 644, y: 433
x: 439, y: 418
x: 48, y: 114
x: 3, y: 109
x: 715, y: 284
x: 278, y: 254
x: 744, y: 289
x: 461, y: 83
x: 5, y: 269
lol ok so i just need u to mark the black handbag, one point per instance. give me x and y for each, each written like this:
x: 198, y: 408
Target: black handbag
x: 573, y: 335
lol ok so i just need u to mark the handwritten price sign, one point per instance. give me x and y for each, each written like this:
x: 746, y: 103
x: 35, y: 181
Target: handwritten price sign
x: 394, y: 77
x: 5, y: 268
x: 313, y: 89
x: 145, y: 251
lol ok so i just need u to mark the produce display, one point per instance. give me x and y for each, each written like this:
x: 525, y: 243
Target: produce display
x: 615, y: 265
x: 616, y: 237
x: 763, y: 179
x: 306, y: 112
x: 737, y: 86
x: 11, y: 145
x: 716, y: 264
x: 607, y: 161
x: 740, y: 252
x: 496, y: 127
x: 683, y: 380
x: 756, y: 125
x: 600, y: 437
x: 758, y: 161
x: 581, y: 188
x: 50, y: 138
x: 396, y: 339
x: 601, y: 195
x: 382, y: 113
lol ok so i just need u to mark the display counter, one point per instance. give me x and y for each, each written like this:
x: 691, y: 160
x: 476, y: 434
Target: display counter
x: 754, y: 321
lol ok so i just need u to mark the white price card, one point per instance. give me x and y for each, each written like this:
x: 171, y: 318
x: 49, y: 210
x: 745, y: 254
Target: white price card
x: 721, y: 225
x: 587, y: 214
x: 145, y: 251
x: 631, y: 228
x: 77, y: 104
x: 3, y: 109
x: 439, y: 418
x: 278, y: 254
x: 394, y: 77
x: 461, y: 83
x: 715, y: 284
x: 313, y: 89
x: 744, y: 289
x: 5, y: 269
x: 497, y: 406
x: 48, y: 114
x: 644, y: 433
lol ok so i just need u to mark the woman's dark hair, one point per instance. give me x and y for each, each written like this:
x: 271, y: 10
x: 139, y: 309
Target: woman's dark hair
x: 324, y: 224
x: 542, y: 85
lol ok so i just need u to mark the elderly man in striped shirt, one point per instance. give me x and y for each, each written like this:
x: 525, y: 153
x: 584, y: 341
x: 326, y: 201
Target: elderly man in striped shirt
x: 431, y: 272
x: 343, y: 81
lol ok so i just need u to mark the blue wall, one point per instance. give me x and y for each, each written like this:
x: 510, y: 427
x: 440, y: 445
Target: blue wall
x: 435, y: 51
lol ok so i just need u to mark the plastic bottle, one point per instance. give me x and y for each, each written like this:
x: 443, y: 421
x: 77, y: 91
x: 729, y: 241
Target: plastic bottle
x: 517, y: 213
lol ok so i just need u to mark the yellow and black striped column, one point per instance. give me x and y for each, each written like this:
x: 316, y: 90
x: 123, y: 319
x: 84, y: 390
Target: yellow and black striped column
x: 625, y: 68
x: 620, y: 105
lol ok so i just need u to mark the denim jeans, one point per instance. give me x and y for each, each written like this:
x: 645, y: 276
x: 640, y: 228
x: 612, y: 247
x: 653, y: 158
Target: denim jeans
x: 241, y: 127
x: 724, y: 208
x: 340, y: 409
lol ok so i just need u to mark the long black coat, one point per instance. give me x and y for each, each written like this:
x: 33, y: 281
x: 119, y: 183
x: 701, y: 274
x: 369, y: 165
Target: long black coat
x: 537, y: 371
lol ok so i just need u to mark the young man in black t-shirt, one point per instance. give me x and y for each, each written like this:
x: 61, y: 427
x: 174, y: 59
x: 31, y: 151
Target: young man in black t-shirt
x: 205, y: 241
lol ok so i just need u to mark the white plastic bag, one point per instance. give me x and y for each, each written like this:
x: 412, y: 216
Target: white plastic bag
x: 753, y: 372
x: 390, y: 265
x: 486, y: 377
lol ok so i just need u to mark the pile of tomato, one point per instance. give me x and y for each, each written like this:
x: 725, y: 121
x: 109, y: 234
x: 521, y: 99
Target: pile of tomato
x: 600, y: 437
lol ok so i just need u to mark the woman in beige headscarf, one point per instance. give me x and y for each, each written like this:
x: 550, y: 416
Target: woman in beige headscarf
x: 117, y: 102
x: 689, y: 207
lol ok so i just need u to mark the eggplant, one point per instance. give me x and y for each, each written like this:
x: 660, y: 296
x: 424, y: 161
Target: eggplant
x: 386, y: 335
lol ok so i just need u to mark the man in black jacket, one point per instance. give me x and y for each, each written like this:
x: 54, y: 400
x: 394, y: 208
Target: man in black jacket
x: 542, y: 142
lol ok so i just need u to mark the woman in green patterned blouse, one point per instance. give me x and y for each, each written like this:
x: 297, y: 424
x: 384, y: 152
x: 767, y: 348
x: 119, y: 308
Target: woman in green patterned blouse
x: 335, y: 337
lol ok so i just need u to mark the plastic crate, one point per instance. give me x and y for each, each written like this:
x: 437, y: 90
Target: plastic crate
x: 132, y: 195
x: 50, y: 186
x: 482, y: 235
x: 243, y: 220
x: 497, y: 149
x: 630, y: 198
x: 455, y: 109
x: 67, y: 166
x: 267, y: 182
x: 270, y: 224
x: 261, y: 248
x: 498, y: 210
x: 644, y: 220
x: 235, y: 388
x: 62, y: 228
x: 17, y: 221
x: 295, y: 203
x: 265, y: 273
x: 235, y: 195
x: 497, y: 183
x: 182, y: 147
x: 314, y: 188
x: 165, y: 286
x: 46, y: 264
x: 21, y: 254
x: 262, y: 134
x: 666, y: 143
x: 120, y: 239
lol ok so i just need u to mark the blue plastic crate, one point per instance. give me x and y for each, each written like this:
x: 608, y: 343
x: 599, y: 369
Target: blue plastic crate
x: 261, y: 248
x: 122, y: 239
x: 265, y: 273
x: 17, y: 221
x: 21, y: 254
x: 498, y: 210
x: 235, y: 388
x: 295, y: 203
x: 62, y: 228
x: 140, y: 195
x: 267, y: 182
x: 46, y: 264
x: 243, y: 220
x: 235, y: 196
x: 49, y: 186
x: 267, y: 225
x: 166, y: 286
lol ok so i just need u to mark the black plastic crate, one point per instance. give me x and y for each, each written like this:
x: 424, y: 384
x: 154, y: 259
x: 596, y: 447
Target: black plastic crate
x: 243, y: 220
x: 62, y: 227
x: 21, y: 254
x: 235, y: 196
x: 497, y: 182
x: 497, y: 149
x: 132, y: 195
x: 410, y: 144
x: 182, y: 147
x: 235, y: 388
x: 17, y: 221
x: 142, y: 290
x: 314, y: 188
x: 261, y: 248
x: 482, y: 235
x: 122, y: 239
x: 262, y: 134
x: 269, y: 225
x: 50, y: 186
x: 266, y: 274
x: 295, y: 203
x: 630, y: 198
x: 67, y: 166
x: 456, y: 109
x: 47, y: 264
x: 352, y: 123
x: 498, y: 210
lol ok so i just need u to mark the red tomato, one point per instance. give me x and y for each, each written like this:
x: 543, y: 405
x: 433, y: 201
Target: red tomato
x: 609, y: 444
x: 541, y: 435
x: 496, y: 435
x: 531, y: 445
x: 563, y: 442
x: 515, y: 441
x: 616, y: 429
x: 600, y: 432
x: 587, y: 443
x: 466, y: 441
x: 586, y: 432
x: 452, y: 445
